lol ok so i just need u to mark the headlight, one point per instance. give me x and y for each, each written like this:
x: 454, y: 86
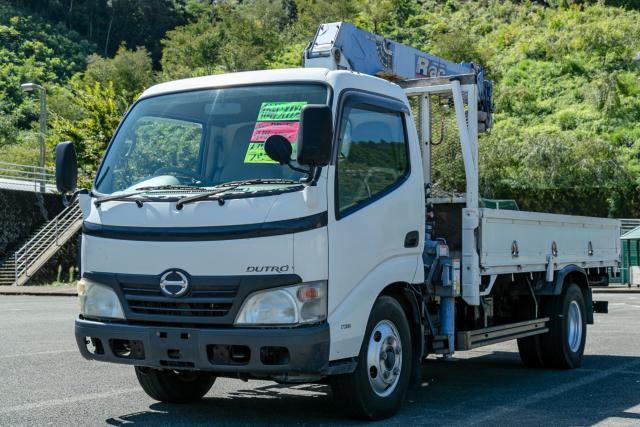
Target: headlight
x: 293, y: 305
x: 98, y: 300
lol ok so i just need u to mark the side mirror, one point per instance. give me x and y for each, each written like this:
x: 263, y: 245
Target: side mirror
x: 279, y: 149
x: 314, y: 135
x: 66, y: 167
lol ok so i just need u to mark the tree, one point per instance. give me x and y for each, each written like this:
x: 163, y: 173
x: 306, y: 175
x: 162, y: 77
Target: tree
x: 90, y: 125
x: 108, y: 23
x: 130, y: 71
x: 233, y: 36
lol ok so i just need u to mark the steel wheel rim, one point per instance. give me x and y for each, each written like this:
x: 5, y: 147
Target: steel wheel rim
x: 384, y: 358
x: 574, y: 325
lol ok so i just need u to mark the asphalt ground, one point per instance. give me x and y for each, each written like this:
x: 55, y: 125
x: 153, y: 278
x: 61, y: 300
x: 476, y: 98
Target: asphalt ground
x: 44, y: 381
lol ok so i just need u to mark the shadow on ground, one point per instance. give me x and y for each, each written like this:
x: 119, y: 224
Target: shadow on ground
x: 490, y: 389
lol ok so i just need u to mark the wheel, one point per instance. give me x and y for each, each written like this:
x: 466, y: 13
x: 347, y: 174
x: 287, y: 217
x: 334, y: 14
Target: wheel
x: 530, y: 353
x: 174, y: 386
x: 376, y: 388
x: 563, y: 346
x: 529, y: 347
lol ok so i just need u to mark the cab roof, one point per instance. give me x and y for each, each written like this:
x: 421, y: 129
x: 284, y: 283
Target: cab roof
x: 320, y: 75
x: 239, y: 79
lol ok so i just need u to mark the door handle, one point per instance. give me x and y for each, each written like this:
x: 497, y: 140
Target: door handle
x: 412, y: 239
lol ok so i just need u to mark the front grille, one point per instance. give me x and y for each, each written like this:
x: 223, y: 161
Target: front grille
x: 202, y: 301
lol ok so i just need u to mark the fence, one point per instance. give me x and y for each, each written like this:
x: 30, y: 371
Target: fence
x: 14, y: 176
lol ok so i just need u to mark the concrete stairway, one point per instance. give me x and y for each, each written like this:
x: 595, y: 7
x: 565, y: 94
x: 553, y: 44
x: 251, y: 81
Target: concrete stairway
x: 22, y: 264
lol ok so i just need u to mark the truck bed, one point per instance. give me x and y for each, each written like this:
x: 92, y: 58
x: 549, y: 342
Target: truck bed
x: 518, y: 241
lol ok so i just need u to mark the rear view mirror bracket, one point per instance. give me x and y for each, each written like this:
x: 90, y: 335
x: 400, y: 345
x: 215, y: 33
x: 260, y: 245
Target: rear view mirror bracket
x: 279, y: 149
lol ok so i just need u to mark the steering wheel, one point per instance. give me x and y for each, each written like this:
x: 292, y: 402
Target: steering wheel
x: 172, y: 170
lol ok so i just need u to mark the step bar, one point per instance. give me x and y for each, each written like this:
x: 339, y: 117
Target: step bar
x: 467, y: 340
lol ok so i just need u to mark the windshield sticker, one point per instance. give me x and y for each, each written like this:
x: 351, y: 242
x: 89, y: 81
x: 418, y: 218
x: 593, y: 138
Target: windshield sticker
x: 264, y: 130
x: 274, y: 118
x: 256, y: 154
x: 276, y: 111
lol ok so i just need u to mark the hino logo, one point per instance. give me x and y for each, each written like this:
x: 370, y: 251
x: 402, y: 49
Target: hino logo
x: 267, y: 269
x: 174, y: 283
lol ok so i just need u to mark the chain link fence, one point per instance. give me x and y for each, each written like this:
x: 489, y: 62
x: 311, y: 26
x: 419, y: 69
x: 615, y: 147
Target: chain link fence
x: 447, y: 165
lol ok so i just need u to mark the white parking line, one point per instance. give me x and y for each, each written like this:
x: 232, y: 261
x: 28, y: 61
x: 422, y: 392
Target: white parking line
x: 486, y: 416
x: 66, y: 400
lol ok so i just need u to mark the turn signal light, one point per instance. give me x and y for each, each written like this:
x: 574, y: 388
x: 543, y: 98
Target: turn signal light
x: 308, y: 293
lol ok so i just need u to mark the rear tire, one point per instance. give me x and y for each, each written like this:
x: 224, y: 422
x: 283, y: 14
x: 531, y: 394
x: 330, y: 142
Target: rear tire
x: 174, y: 386
x: 376, y: 389
x: 529, y: 347
x: 530, y: 353
x: 563, y: 346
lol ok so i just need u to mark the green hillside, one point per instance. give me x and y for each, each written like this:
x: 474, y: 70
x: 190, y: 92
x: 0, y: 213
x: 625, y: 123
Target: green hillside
x: 566, y: 134
x: 31, y: 49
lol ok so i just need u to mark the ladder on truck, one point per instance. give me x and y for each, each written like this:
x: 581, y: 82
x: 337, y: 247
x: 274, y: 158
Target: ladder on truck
x: 19, y: 266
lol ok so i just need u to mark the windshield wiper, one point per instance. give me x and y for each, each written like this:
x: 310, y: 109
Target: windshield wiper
x: 171, y: 187
x: 126, y: 197
x: 258, y: 181
x: 228, y: 186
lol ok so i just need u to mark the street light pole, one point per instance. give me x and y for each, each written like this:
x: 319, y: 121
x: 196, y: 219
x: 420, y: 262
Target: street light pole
x: 30, y: 87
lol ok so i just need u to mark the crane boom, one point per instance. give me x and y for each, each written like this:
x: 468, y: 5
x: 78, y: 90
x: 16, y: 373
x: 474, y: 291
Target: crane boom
x: 342, y: 45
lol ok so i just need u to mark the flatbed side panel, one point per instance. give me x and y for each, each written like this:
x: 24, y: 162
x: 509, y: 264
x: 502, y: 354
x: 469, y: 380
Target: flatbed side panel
x: 518, y: 241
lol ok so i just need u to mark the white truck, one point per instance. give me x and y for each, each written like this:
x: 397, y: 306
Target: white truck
x: 295, y: 225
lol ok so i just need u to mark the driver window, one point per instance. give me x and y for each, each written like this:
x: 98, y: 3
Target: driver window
x: 160, y: 146
x: 372, y: 157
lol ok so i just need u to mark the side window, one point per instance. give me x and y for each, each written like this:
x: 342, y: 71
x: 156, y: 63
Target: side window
x: 372, y: 156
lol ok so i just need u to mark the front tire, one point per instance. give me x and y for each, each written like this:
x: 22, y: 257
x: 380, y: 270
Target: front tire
x: 376, y: 389
x: 174, y: 386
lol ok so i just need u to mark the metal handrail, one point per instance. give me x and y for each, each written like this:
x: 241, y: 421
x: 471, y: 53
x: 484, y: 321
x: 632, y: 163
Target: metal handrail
x: 16, y: 170
x: 46, y: 237
x: 40, y: 178
x: 44, y: 234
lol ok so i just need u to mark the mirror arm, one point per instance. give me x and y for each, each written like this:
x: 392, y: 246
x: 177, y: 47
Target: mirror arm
x: 69, y: 199
x: 314, y: 175
x: 297, y: 169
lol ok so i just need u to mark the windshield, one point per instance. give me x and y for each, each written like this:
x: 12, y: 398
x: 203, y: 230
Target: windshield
x: 205, y: 138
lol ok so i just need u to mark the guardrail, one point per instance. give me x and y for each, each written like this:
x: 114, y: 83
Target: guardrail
x: 26, y: 177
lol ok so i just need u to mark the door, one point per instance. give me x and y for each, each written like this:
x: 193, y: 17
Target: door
x: 378, y: 212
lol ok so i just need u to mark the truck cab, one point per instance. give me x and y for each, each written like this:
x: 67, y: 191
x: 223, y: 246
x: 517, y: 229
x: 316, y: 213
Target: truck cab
x: 238, y: 283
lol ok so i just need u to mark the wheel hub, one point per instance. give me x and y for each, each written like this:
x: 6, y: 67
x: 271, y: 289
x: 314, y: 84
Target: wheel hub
x: 384, y: 358
x: 574, y: 326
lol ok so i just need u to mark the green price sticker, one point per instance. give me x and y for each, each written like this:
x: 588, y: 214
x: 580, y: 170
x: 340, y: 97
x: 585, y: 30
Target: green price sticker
x: 277, y: 111
x: 274, y: 118
x: 256, y: 153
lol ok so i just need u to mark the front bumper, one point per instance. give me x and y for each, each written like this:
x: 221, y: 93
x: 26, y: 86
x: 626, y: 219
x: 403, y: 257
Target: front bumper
x: 230, y: 351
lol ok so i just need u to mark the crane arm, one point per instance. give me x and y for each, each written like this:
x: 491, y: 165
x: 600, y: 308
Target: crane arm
x: 342, y: 45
